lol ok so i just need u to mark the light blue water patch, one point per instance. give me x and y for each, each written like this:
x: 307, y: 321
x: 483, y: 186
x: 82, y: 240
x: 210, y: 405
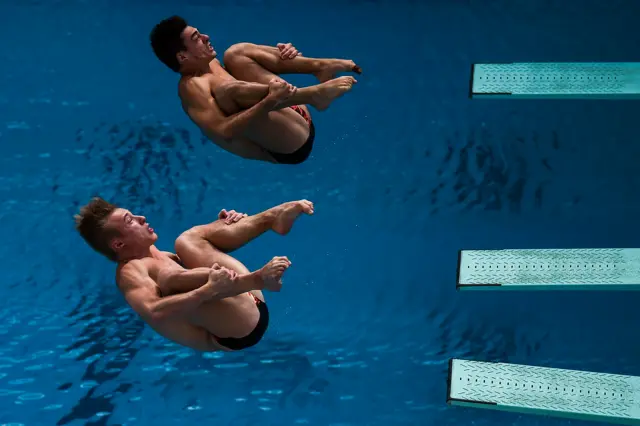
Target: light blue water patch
x: 31, y: 396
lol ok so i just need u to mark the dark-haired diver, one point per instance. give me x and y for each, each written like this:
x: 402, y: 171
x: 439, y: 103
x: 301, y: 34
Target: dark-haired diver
x: 244, y: 107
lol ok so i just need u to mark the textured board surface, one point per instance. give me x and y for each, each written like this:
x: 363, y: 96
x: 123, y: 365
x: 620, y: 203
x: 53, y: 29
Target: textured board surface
x: 608, y: 269
x: 542, y: 390
x: 600, y: 80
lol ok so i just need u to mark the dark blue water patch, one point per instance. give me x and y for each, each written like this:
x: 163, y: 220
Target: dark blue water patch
x: 476, y: 172
x: 481, y: 173
x: 108, y: 340
x: 141, y: 161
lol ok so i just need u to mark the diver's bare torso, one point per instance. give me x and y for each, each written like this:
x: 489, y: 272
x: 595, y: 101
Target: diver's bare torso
x: 218, y: 73
x: 287, y: 128
x: 230, y: 317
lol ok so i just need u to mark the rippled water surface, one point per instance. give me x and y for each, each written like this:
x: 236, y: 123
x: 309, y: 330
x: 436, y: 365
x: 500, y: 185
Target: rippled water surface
x: 406, y: 171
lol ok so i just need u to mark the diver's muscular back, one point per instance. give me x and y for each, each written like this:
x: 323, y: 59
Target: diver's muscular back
x: 142, y: 285
x: 141, y: 291
x: 198, y: 102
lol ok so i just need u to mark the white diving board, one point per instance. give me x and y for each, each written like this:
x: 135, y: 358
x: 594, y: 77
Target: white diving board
x: 547, y: 391
x: 549, y: 269
x: 556, y: 80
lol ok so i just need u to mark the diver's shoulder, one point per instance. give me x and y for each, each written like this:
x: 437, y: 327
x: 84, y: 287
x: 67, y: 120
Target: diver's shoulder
x: 193, y: 86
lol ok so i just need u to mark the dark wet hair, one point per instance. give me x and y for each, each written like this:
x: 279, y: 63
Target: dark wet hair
x: 90, y: 223
x: 166, y: 40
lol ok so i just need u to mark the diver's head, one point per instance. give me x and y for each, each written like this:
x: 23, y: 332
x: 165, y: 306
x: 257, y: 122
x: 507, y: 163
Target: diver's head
x: 114, y: 232
x: 180, y: 46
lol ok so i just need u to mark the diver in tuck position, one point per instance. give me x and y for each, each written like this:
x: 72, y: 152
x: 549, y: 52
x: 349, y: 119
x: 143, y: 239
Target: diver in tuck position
x: 263, y: 117
x: 199, y: 297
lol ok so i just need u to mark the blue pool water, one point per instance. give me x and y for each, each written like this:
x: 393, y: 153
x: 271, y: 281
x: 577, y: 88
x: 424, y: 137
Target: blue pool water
x: 406, y: 171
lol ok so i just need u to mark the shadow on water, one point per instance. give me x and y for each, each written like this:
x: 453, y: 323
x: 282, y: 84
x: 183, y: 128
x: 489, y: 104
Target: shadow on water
x: 144, y: 161
x: 277, y: 369
x: 108, y: 342
x: 480, y: 171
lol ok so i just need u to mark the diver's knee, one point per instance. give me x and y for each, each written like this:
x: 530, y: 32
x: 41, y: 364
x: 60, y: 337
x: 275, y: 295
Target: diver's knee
x: 238, y: 51
x: 186, y: 241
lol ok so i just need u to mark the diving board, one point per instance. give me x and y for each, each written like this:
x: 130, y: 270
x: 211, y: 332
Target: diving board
x: 548, y: 391
x: 549, y: 80
x: 549, y: 269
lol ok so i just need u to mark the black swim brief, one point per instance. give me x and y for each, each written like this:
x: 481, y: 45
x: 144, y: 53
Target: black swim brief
x: 251, y: 339
x: 301, y: 154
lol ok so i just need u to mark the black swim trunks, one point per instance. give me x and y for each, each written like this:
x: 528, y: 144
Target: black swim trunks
x: 301, y: 154
x: 251, y: 339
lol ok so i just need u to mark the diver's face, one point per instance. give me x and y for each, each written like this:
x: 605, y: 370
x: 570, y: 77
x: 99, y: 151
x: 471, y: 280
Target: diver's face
x: 198, y: 46
x: 135, y: 232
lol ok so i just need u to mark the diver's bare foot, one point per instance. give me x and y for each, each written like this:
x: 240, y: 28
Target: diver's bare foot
x: 335, y: 66
x: 271, y: 273
x: 330, y: 91
x: 287, y: 213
